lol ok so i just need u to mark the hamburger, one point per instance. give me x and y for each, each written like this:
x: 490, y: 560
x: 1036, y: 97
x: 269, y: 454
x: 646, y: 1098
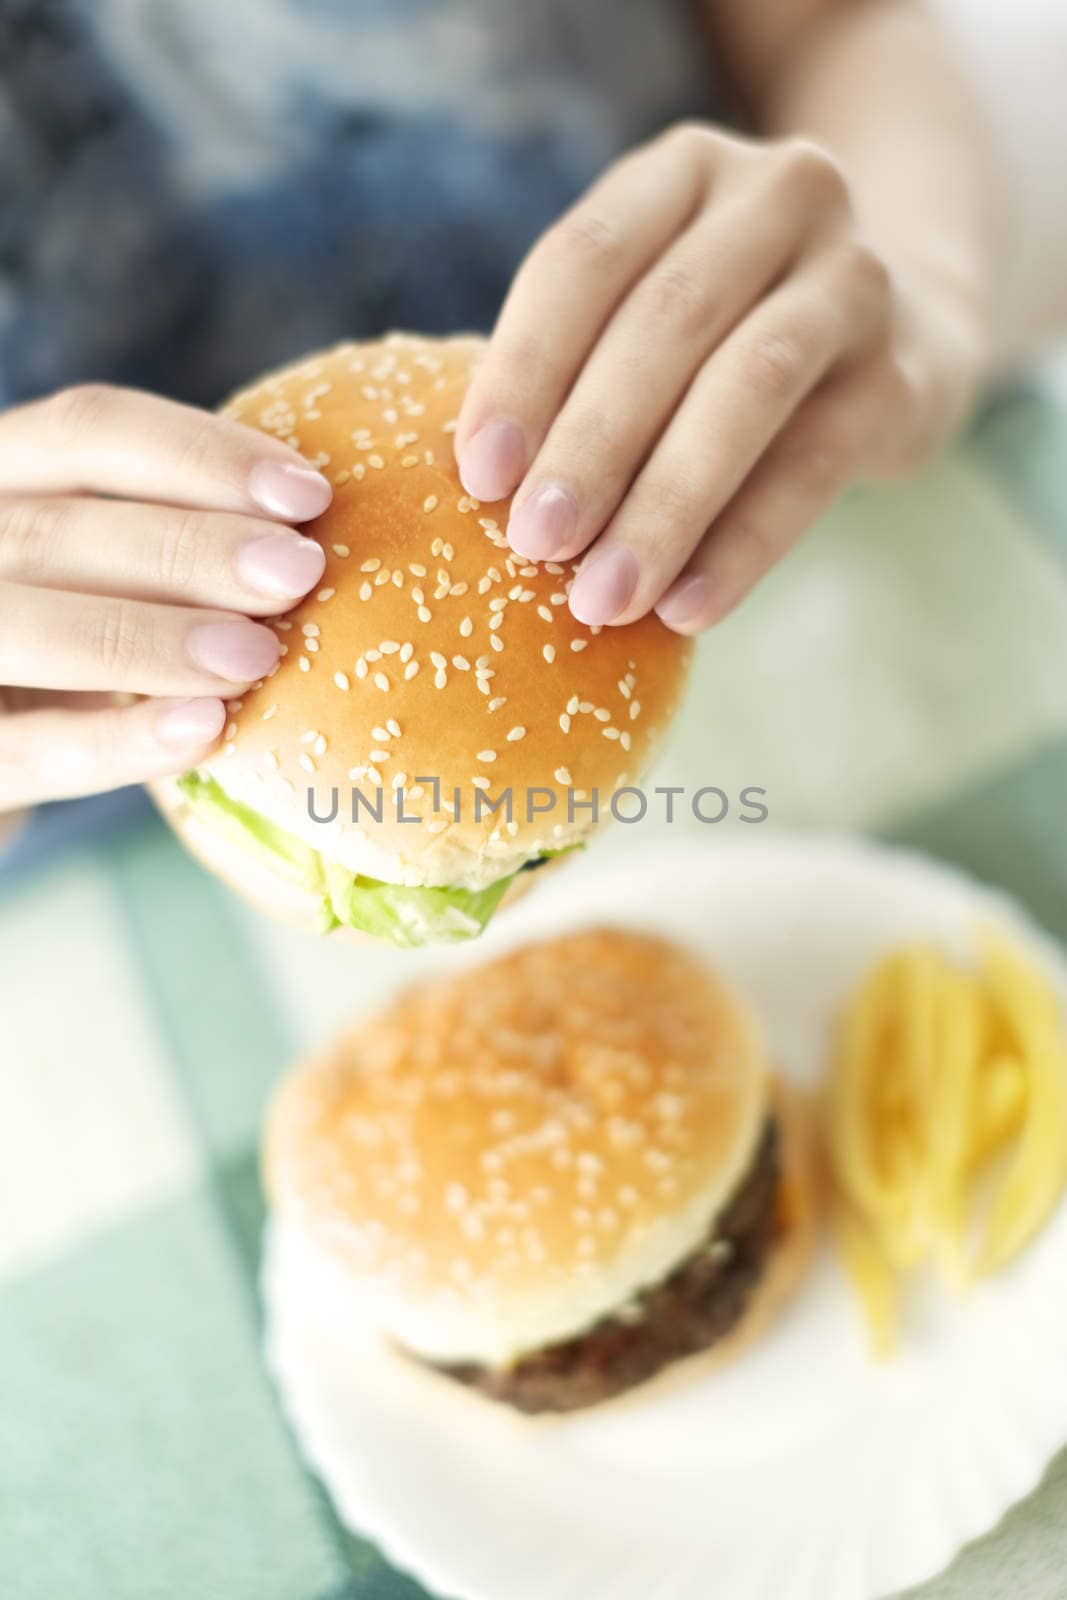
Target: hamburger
x: 553, y: 1175
x: 439, y: 723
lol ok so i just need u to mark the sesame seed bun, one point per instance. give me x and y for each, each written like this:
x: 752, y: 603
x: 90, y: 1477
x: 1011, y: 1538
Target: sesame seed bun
x: 504, y: 1156
x: 429, y: 649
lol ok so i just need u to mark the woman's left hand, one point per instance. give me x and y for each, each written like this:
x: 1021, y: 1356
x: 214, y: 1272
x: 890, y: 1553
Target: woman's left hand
x: 694, y: 361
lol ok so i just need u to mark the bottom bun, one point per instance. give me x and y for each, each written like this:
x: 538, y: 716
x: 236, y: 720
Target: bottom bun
x: 680, y: 1320
x: 255, y: 882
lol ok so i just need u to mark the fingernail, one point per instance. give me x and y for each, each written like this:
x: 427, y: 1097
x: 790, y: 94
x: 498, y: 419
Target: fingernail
x: 604, y: 587
x: 189, y: 723
x: 492, y: 462
x: 287, y: 490
x: 684, y: 603
x: 240, y: 651
x: 281, y: 564
x: 544, y: 524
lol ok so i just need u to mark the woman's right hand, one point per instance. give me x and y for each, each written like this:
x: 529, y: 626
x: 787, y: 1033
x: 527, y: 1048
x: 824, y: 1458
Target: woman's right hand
x: 138, y: 537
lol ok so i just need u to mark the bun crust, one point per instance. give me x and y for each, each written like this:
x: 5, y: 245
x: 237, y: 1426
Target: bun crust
x: 505, y: 1155
x: 429, y: 649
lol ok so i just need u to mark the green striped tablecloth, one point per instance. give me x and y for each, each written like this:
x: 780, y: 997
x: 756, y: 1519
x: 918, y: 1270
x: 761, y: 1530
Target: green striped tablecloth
x: 904, y: 674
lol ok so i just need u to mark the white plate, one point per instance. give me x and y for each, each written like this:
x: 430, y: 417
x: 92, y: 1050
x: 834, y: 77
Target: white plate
x: 803, y: 1471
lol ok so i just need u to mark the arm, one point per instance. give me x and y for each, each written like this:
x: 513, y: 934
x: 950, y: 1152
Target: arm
x: 875, y: 83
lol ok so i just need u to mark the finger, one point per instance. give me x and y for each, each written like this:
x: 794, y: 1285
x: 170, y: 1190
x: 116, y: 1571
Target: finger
x: 56, y: 753
x: 152, y: 552
x: 735, y: 408
x: 561, y: 298
x: 53, y: 639
x: 102, y: 440
x: 636, y: 376
x: 811, y: 463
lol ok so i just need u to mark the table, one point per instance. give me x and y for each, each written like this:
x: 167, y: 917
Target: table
x: 903, y: 673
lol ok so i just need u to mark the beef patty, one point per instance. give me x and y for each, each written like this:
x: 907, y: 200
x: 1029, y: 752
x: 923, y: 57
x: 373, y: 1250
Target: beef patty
x: 696, y: 1305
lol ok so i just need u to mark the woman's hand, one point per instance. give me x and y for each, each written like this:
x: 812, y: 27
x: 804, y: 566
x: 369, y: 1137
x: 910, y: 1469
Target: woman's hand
x: 693, y: 362
x: 137, y: 538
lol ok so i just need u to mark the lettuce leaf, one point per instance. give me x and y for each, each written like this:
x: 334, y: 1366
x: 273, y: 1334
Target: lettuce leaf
x: 392, y: 911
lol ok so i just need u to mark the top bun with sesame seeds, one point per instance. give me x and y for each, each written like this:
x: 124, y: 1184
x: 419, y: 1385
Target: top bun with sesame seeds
x: 551, y: 1175
x: 430, y: 664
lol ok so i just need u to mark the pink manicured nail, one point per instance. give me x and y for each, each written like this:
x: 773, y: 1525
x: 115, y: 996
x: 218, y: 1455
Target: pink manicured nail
x: 544, y: 524
x: 239, y: 651
x: 281, y: 565
x: 684, y: 602
x: 493, y: 461
x: 604, y: 587
x: 286, y: 490
x: 189, y: 723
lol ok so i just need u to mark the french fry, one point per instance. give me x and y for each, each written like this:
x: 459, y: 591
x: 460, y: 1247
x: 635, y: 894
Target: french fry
x: 950, y: 1108
x: 1000, y: 1101
x: 939, y: 1071
x: 1036, y: 1176
x: 873, y: 1279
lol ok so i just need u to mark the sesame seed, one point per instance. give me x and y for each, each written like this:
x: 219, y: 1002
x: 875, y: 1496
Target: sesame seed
x: 381, y: 734
x: 306, y: 761
x: 516, y: 733
x: 424, y: 613
x: 409, y: 461
x: 495, y: 621
x: 496, y: 641
x: 370, y: 566
x: 379, y: 755
x: 271, y: 711
x: 359, y: 471
x: 624, y: 688
x: 480, y: 783
x: 373, y: 655
x: 231, y: 730
x: 486, y: 755
x: 389, y: 647
x: 365, y: 591
x: 602, y: 714
x: 325, y: 594
x: 549, y: 652
x: 361, y: 668
x: 585, y: 706
x: 440, y: 678
x: 381, y: 680
x: 319, y: 746
x: 447, y: 551
x: 543, y: 611
x: 406, y: 650
x: 375, y: 461
x: 375, y: 776
x: 624, y: 740
x: 309, y: 736
x: 635, y: 710
x: 579, y: 644
x: 466, y: 628
x: 305, y: 664
x: 438, y: 659
x: 418, y: 596
x: 450, y: 425
x: 311, y: 646
x: 430, y: 503
x: 398, y: 579
x: 500, y: 700
x: 341, y: 680
x: 565, y: 722
x: 557, y: 599
x: 610, y: 733
x: 435, y: 548
x: 282, y: 625
x: 461, y: 663
x: 381, y: 577
x: 341, y: 550
x: 512, y: 828
x: 411, y: 669
x: 563, y: 776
